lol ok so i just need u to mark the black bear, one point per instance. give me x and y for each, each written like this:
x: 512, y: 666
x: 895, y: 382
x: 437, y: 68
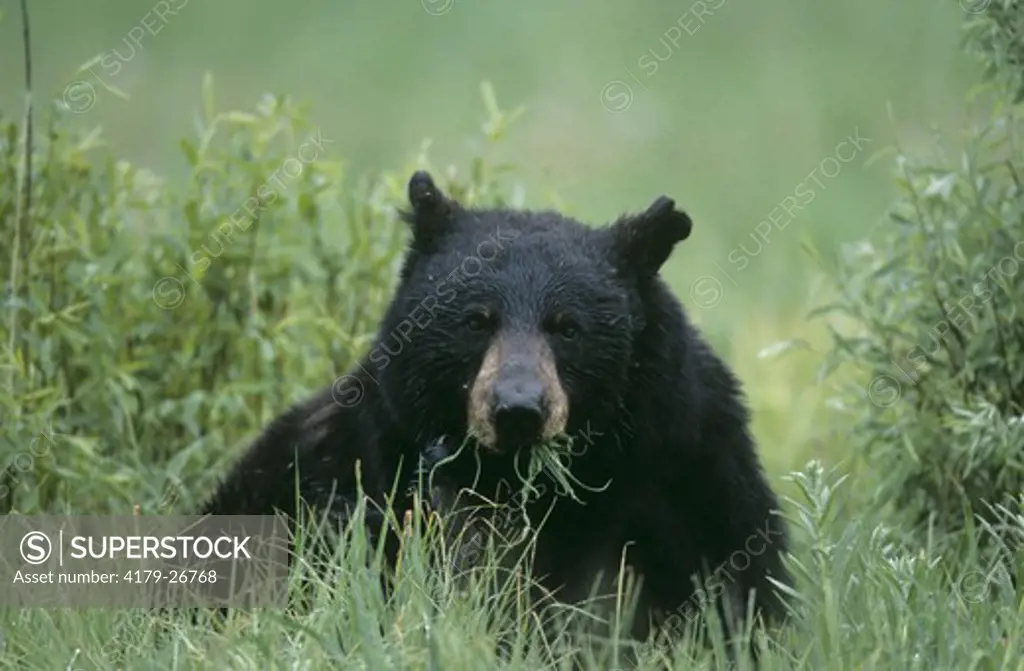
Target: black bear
x: 511, y: 328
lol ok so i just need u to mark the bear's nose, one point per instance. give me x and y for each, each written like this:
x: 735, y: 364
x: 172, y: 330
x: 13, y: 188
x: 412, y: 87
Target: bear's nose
x: 518, y: 411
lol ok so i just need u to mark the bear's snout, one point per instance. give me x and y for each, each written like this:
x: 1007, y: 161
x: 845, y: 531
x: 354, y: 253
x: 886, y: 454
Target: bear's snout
x: 517, y: 399
x: 519, y: 409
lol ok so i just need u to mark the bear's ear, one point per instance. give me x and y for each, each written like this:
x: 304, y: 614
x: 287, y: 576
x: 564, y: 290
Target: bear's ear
x: 432, y: 213
x: 643, y: 242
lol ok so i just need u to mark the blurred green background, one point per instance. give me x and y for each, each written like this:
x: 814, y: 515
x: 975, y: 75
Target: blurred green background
x: 726, y: 106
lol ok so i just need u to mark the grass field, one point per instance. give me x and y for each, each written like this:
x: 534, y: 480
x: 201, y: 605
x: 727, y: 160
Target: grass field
x: 736, y: 109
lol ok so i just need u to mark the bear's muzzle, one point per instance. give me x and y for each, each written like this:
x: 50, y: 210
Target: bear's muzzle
x: 517, y: 399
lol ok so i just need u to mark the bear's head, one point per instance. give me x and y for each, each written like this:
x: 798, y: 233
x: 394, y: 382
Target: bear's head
x: 516, y: 326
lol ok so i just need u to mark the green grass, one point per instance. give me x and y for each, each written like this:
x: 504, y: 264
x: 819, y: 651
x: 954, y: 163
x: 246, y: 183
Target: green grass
x: 730, y: 124
x: 865, y: 602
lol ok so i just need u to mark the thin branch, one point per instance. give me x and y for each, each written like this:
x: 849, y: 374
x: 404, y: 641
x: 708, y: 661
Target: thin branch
x: 19, y: 251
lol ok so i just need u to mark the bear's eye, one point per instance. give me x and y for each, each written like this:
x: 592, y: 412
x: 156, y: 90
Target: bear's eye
x: 478, y: 321
x: 565, y: 329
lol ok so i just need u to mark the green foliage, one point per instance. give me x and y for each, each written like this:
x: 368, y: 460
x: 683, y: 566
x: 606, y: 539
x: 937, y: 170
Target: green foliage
x: 153, y: 330
x: 938, y: 355
x: 996, y: 36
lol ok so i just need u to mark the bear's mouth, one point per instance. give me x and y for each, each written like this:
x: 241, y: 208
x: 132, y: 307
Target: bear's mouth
x: 506, y: 440
x: 517, y: 427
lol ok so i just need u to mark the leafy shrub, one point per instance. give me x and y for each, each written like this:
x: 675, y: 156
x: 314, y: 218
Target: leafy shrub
x: 996, y: 36
x: 938, y: 299
x: 151, y: 329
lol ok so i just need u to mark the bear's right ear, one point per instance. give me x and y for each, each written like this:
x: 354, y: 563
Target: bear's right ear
x: 433, y: 213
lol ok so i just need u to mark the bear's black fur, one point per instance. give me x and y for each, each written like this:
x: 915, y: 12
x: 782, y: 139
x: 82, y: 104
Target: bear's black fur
x: 515, y: 325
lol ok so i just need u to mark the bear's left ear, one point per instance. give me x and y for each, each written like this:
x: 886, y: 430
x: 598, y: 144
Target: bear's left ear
x: 643, y: 242
x: 433, y: 213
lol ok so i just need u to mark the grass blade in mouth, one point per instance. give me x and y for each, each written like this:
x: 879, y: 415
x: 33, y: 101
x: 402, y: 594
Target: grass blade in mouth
x: 553, y: 458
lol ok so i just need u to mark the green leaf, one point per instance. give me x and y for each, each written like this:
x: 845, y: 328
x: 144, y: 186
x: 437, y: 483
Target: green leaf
x: 942, y: 186
x: 191, y: 155
x: 879, y: 154
x: 237, y: 117
x: 209, y: 108
x: 778, y: 348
